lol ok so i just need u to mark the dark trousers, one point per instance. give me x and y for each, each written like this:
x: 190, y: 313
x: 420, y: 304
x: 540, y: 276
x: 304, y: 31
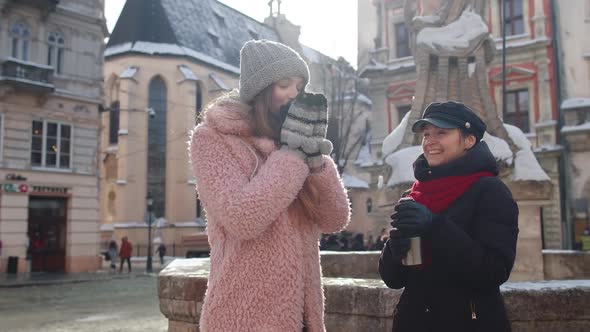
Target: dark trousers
x: 128, y: 259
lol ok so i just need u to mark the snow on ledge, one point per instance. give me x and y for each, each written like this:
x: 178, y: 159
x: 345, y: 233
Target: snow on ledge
x: 458, y: 35
x: 401, y: 163
x: 576, y: 129
x: 565, y: 251
x: 351, y: 181
x: 526, y: 166
x: 574, y: 103
x: 545, y: 285
x: 499, y: 148
x: 393, y: 140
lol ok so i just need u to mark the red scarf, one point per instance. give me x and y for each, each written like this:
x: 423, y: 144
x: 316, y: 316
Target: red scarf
x: 437, y: 195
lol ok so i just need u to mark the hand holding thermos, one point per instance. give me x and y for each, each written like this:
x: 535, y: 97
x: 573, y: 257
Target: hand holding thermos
x: 410, y: 221
x: 412, y: 218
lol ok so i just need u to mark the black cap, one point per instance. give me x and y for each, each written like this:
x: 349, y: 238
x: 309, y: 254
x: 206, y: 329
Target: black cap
x: 451, y: 114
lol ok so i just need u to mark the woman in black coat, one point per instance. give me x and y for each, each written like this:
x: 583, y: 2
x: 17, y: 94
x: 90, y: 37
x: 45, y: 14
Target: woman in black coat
x: 468, y: 224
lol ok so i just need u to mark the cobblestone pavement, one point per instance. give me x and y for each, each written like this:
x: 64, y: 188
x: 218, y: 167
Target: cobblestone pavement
x: 129, y: 304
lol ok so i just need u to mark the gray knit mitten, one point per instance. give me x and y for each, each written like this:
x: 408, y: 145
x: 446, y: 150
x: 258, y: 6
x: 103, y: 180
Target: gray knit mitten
x: 299, y: 131
x: 320, y: 129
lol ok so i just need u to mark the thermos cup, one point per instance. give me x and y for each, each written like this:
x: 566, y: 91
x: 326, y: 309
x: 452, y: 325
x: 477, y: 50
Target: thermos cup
x: 414, y: 256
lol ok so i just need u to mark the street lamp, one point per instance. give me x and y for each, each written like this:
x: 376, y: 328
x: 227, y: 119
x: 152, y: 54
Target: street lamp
x: 150, y: 204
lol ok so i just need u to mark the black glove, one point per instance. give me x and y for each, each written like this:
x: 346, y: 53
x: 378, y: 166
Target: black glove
x: 412, y: 218
x: 398, y: 245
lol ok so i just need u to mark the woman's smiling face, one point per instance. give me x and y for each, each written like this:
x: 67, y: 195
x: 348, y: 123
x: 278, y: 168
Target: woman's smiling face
x: 441, y: 146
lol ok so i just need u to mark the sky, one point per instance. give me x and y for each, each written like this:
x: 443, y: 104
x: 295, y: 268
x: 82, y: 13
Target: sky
x: 329, y: 26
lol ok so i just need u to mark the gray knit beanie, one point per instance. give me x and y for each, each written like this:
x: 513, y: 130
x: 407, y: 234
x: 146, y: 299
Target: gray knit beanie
x: 263, y: 62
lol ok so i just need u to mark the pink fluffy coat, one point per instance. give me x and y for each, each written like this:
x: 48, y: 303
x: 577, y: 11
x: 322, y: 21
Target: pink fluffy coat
x: 265, y: 267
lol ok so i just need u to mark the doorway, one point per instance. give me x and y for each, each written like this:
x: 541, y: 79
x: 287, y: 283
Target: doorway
x: 47, y: 233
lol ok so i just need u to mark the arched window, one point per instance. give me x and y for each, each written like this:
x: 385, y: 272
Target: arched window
x: 55, y: 51
x: 114, y: 123
x: 20, y: 35
x: 156, y: 145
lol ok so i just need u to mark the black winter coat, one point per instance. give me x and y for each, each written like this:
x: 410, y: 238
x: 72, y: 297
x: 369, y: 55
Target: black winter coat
x: 473, y: 246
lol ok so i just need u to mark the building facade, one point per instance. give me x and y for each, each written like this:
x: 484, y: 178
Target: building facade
x: 50, y: 95
x: 574, y: 97
x: 158, y: 79
x: 532, y: 75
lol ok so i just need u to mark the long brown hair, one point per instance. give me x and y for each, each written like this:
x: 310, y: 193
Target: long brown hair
x: 267, y: 123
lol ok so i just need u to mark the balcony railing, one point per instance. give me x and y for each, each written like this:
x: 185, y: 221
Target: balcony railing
x: 28, y: 76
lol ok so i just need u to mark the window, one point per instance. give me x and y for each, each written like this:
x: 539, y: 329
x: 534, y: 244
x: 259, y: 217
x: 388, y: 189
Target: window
x: 55, y: 51
x: 114, y: 123
x: 157, y: 142
x: 51, y: 145
x: 402, y: 40
x: 514, y: 20
x: 20, y: 35
x: 517, y: 109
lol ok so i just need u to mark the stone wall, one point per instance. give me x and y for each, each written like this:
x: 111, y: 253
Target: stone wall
x: 366, y: 304
x: 566, y: 264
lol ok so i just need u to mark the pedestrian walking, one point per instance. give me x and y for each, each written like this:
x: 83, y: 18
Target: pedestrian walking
x: 125, y: 254
x: 112, y: 252
x: 260, y: 159
x: 467, y: 224
x: 161, y: 251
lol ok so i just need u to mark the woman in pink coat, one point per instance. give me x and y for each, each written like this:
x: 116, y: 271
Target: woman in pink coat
x: 269, y: 189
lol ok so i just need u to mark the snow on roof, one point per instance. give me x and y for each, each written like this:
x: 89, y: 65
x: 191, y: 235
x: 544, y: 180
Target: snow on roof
x: 457, y: 35
x: 168, y: 49
x: 576, y: 129
x: 129, y: 72
x: 394, y: 139
x: 219, y: 82
x: 361, y: 98
x: 187, y: 73
x: 526, y: 166
x: 351, y: 181
x: 401, y: 163
x: 573, y: 103
x: 499, y: 148
x: 364, y: 158
x: 364, y: 99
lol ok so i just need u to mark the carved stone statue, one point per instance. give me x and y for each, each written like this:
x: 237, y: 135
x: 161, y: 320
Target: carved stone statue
x: 452, y: 46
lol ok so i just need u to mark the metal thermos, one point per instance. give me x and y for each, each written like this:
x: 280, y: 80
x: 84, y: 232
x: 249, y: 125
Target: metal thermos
x: 414, y: 256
